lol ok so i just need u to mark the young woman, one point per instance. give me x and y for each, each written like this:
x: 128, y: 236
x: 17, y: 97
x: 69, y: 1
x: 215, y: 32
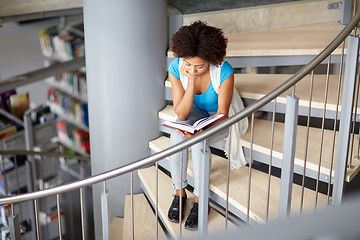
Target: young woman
x: 200, y: 50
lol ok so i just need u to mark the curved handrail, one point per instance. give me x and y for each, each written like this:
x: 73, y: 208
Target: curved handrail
x: 45, y: 154
x: 197, y: 138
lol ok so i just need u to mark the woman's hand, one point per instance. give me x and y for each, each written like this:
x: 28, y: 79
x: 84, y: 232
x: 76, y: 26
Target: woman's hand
x: 187, y: 134
x: 184, y: 72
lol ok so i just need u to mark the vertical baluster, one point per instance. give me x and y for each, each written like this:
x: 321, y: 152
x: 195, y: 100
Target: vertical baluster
x: 132, y: 205
x: 228, y: 183
x: 82, y: 213
x: 250, y: 166
x: 204, y: 194
x: 59, y: 215
x: 105, y: 212
x: 18, y: 183
x: 350, y: 75
x: 157, y: 200
x: 354, y: 13
x: 270, y: 160
x: 2, y: 159
x: 14, y: 225
x: 336, y: 116
x: 36, y: 210
x: 322, y: 131
x: 353, y: 127
x: 17, y: 175
x: 287, y: 165
x: 41, y: 178
x: 306, y: 142
x: 180, y: 200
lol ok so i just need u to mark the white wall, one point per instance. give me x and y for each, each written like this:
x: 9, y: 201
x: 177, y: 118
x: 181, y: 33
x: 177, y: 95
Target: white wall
x: 20, y: 52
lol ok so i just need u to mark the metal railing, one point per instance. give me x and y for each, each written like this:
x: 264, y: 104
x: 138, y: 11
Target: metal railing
x: 286, y: 186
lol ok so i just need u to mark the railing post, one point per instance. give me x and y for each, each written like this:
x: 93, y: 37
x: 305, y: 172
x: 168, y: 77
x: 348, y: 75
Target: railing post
x: 350, y: 73
x: 204, y: 194
x: 105, y: 214
x: 14, y: 224
x: 345, y: 12
x: 287, y: 168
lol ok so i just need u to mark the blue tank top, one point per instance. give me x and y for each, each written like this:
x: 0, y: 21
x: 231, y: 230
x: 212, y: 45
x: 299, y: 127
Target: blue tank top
x: 208, y: 100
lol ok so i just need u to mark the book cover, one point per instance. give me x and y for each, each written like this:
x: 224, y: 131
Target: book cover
x: 19, y: 104
x: 199, y: 124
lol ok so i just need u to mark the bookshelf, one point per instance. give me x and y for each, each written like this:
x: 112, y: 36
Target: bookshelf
x: 67, y: 92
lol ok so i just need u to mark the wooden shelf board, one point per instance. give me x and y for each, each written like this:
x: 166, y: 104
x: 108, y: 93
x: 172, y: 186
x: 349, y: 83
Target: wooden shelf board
x: 239, y: 182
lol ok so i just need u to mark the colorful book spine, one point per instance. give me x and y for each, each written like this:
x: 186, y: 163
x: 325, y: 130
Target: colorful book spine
x: 60, y: 102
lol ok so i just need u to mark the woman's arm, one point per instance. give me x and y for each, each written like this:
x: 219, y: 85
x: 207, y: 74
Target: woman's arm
x: 224, y: 98
x: 182, y: 99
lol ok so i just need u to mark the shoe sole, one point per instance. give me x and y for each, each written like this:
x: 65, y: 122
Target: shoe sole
x: 191, y: 229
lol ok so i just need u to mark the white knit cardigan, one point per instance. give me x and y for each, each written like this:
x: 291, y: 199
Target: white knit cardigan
x: 237, y: 130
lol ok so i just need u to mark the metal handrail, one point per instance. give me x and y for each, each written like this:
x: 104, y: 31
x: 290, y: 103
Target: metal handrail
x: 197, y: 138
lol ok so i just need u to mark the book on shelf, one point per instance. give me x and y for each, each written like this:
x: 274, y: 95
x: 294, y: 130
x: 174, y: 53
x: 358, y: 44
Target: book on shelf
x: 5, y: 99
x: 198, y: 125
x: 7, y: 131
x: 19, y: 103
x: 61, y: 45
x: 73, y: 136
x: 69, y: 106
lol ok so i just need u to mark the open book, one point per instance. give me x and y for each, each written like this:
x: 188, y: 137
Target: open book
x: 199, y: 124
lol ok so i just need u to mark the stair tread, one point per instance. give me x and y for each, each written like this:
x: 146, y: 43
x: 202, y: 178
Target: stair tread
x: 147, y: 177
x: 239, y: 187
x: 256, y: 86
x: 262, y: 144
x: 294, y: 41
x: 116, y: 228
x: 144, y: 219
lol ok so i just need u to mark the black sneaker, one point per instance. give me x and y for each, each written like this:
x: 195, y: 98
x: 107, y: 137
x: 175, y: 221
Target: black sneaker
x: 192, y: 220
x: 174, y: 209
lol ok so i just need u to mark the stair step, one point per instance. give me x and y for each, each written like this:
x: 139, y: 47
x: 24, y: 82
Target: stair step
x: 256, y: 86
x: 144, y: 219
x: 147, y: 176
x: 116, y: 228
x: 262, y: 136
x: 294, y: 41
x: 239, y: 182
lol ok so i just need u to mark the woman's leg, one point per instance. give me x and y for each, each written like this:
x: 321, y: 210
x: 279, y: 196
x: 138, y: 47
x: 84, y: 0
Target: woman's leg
x: 174, y: 162
x: 176, y: 138
x: 198, y: 155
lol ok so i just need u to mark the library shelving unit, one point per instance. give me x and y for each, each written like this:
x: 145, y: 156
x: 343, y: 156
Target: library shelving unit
x: 67, y: 93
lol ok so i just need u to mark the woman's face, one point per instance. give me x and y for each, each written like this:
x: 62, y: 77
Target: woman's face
x: 195, y: 66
